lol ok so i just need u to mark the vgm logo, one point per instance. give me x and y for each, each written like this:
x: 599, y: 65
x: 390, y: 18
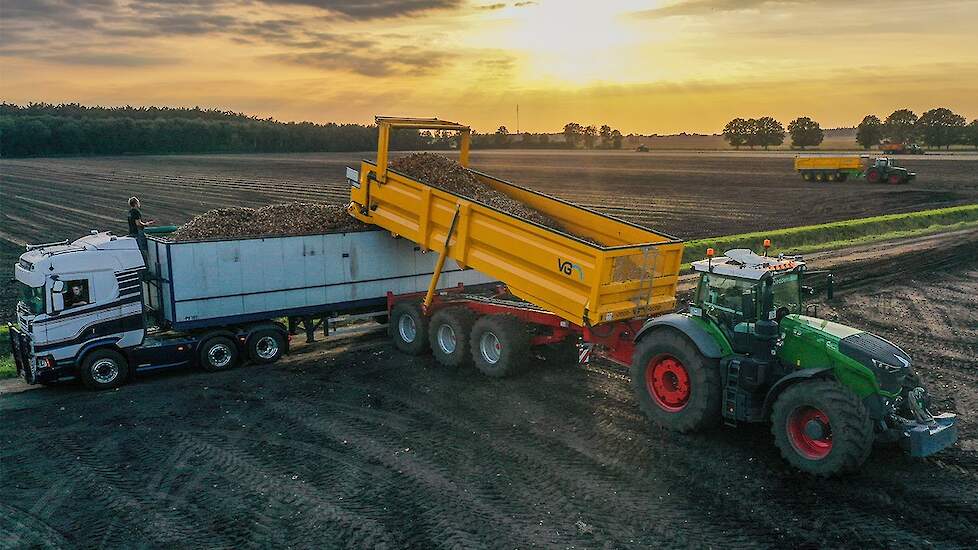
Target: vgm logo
x: 568, y: 268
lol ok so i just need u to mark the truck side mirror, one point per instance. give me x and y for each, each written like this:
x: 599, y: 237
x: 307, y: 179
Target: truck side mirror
x: 58, y: 287
x: 57, y: 297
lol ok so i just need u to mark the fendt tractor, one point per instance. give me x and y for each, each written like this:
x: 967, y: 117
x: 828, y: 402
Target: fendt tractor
x: 745, y: 350
x: 825, y: 168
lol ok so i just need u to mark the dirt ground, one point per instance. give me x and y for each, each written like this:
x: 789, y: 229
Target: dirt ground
x: 688, y: 194
x: 349, y: 443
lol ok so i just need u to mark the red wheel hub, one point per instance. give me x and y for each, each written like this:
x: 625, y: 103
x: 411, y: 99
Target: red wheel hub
x: 667, y: 381
x: 810, y: 432
x: 894, y: 179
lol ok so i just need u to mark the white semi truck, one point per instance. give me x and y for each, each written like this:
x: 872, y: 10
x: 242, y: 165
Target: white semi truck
x: 94, y: 309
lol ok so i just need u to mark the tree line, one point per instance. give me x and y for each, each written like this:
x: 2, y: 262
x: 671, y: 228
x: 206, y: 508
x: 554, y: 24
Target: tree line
x: 40, y: 129
x: 575, y: 136
x: 939, y: 127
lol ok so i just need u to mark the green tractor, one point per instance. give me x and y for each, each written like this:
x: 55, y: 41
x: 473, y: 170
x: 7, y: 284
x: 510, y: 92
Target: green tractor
x: 749, y: 350
x: 882, y: 170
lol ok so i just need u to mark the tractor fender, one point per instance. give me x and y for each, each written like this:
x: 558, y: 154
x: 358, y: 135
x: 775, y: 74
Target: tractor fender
x: 702, y: 339
x: 791, y: 379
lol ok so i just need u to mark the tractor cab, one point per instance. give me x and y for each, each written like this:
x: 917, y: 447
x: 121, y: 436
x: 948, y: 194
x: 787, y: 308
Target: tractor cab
x: 747, y: 295
x: 883, y: 163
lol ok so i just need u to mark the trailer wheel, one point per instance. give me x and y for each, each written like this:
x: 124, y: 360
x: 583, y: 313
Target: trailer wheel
x: 409, y: 328
x: 843, y: 176
x: 832, y: 177
x: 874, y: 176
x: 104, y: 369
x: 500, y: 345
x: 448, y: 333
x: 819, y: 176
x: 218, y: 353
x: 266, y: 346
x: 807, y: 176
x: 822, y: 428
x: 675, y: 385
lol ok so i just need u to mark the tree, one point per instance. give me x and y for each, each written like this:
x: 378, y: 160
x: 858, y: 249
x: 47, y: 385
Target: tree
x: 940, y: 127
x: 502, y: 136
x: 544, y: 140
x: 805, y: 132
x: 736, y: 132
x: 971, y: 134
x: 899, y: 126
x: 752, y: 133
x: 616, y: 139
x: 572, y: 133
x: 769, y: 132
x: 870, y: 131
x: 605, y: 133
x: 590, y: 134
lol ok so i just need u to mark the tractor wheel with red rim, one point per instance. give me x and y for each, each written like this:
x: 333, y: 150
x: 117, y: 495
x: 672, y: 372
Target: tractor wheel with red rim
x: 895, y: 179
x: 822, y: 428
x: 675, y: 385
x: 874, y: 176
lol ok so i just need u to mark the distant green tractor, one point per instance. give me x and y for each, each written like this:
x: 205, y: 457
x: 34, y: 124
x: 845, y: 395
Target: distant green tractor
x: 883, y: 170
x: 748, y: 351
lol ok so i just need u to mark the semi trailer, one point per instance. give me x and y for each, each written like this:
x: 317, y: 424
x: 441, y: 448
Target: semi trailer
x: 747, y: 349
x: 95, y: 309
x: 829, y: 168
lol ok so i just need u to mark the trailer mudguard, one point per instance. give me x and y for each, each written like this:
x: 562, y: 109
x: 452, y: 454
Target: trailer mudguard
x: 704, y: 341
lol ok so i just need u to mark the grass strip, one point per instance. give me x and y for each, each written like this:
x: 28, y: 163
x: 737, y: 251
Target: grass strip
x: 827, y: 236
x: 7, y: 367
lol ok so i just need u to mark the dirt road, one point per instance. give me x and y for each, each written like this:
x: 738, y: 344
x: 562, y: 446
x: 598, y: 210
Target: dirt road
x: 352, y: 444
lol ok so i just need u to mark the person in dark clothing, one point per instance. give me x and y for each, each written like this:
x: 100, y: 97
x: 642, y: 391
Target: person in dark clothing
x: 137, y: 224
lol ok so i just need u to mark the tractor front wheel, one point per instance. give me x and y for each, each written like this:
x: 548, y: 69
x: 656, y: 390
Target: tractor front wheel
x: 895, y: 179
x: 675, y: 385
x: 822, y: 428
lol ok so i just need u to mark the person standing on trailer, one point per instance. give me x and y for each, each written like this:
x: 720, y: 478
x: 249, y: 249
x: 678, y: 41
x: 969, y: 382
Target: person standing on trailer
x: 137, y: 225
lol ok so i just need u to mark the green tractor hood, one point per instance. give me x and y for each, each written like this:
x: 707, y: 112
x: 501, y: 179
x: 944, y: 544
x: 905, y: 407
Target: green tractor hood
x: 865, y: 362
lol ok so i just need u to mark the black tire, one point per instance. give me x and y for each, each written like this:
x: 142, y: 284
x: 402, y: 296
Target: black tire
x: 217, y: 354
x: 874, y: 176
x: 266, y: 346
x: 843, y: 177
x: 104, y: 369
x: 500, y: 345
x: 819, y: 177
x: 408, y: 328
x: 381, y: 319
x: 807, y: 176
x: 832, y: 177
x: 683, y: 395
x: 448, y: 334
x: 849, y: 437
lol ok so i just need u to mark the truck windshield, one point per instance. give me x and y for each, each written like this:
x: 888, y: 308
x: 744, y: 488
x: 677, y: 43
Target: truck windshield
x: 33, y: 298
x: 787, y: 292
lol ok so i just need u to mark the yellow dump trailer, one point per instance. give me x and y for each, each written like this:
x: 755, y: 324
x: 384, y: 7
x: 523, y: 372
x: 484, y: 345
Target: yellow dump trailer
x: 826, y: 168
x: 633, y: 272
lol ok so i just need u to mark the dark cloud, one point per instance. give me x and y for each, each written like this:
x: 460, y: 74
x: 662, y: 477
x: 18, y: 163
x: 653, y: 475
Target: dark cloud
x: 492, y: 7
x: 105, y: 59
x: 372, y: 9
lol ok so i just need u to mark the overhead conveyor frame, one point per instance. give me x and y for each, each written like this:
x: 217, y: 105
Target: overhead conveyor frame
x: 633, y: 273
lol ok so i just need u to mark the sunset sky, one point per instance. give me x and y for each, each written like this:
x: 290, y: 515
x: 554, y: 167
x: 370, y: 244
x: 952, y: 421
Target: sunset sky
x: 641, y: 66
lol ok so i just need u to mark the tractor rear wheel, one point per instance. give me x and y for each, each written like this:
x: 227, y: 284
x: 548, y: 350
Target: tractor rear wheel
x: 675, y: 385
x: 500, y: 345
x: 448, y: 333
x: 822, y: 428
x: 874, y: 176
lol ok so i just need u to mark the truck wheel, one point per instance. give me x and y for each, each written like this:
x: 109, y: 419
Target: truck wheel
x: 448, y: 333
x: 218, y: 353
x: 874, y: 176
x: 675, y: 385
x: 266, y: 346
x: 500, y: 345
x: 104, y: 369
x: 822, y: 428
x: 409, y: 328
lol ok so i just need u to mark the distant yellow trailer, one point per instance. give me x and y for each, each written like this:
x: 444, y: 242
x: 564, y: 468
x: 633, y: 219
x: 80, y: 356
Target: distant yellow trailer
x: 840, y: 168
x: 632, y: 273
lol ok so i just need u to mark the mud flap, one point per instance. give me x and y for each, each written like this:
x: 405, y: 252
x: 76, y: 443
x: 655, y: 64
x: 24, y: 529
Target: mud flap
x: 926, y: 439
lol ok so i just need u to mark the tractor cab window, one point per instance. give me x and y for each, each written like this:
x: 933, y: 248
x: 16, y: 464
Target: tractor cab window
x: 727, y: 295
x: 786, y: 291
x: 33, y: 298
x: 76, y: 293
x: 882, y: 163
